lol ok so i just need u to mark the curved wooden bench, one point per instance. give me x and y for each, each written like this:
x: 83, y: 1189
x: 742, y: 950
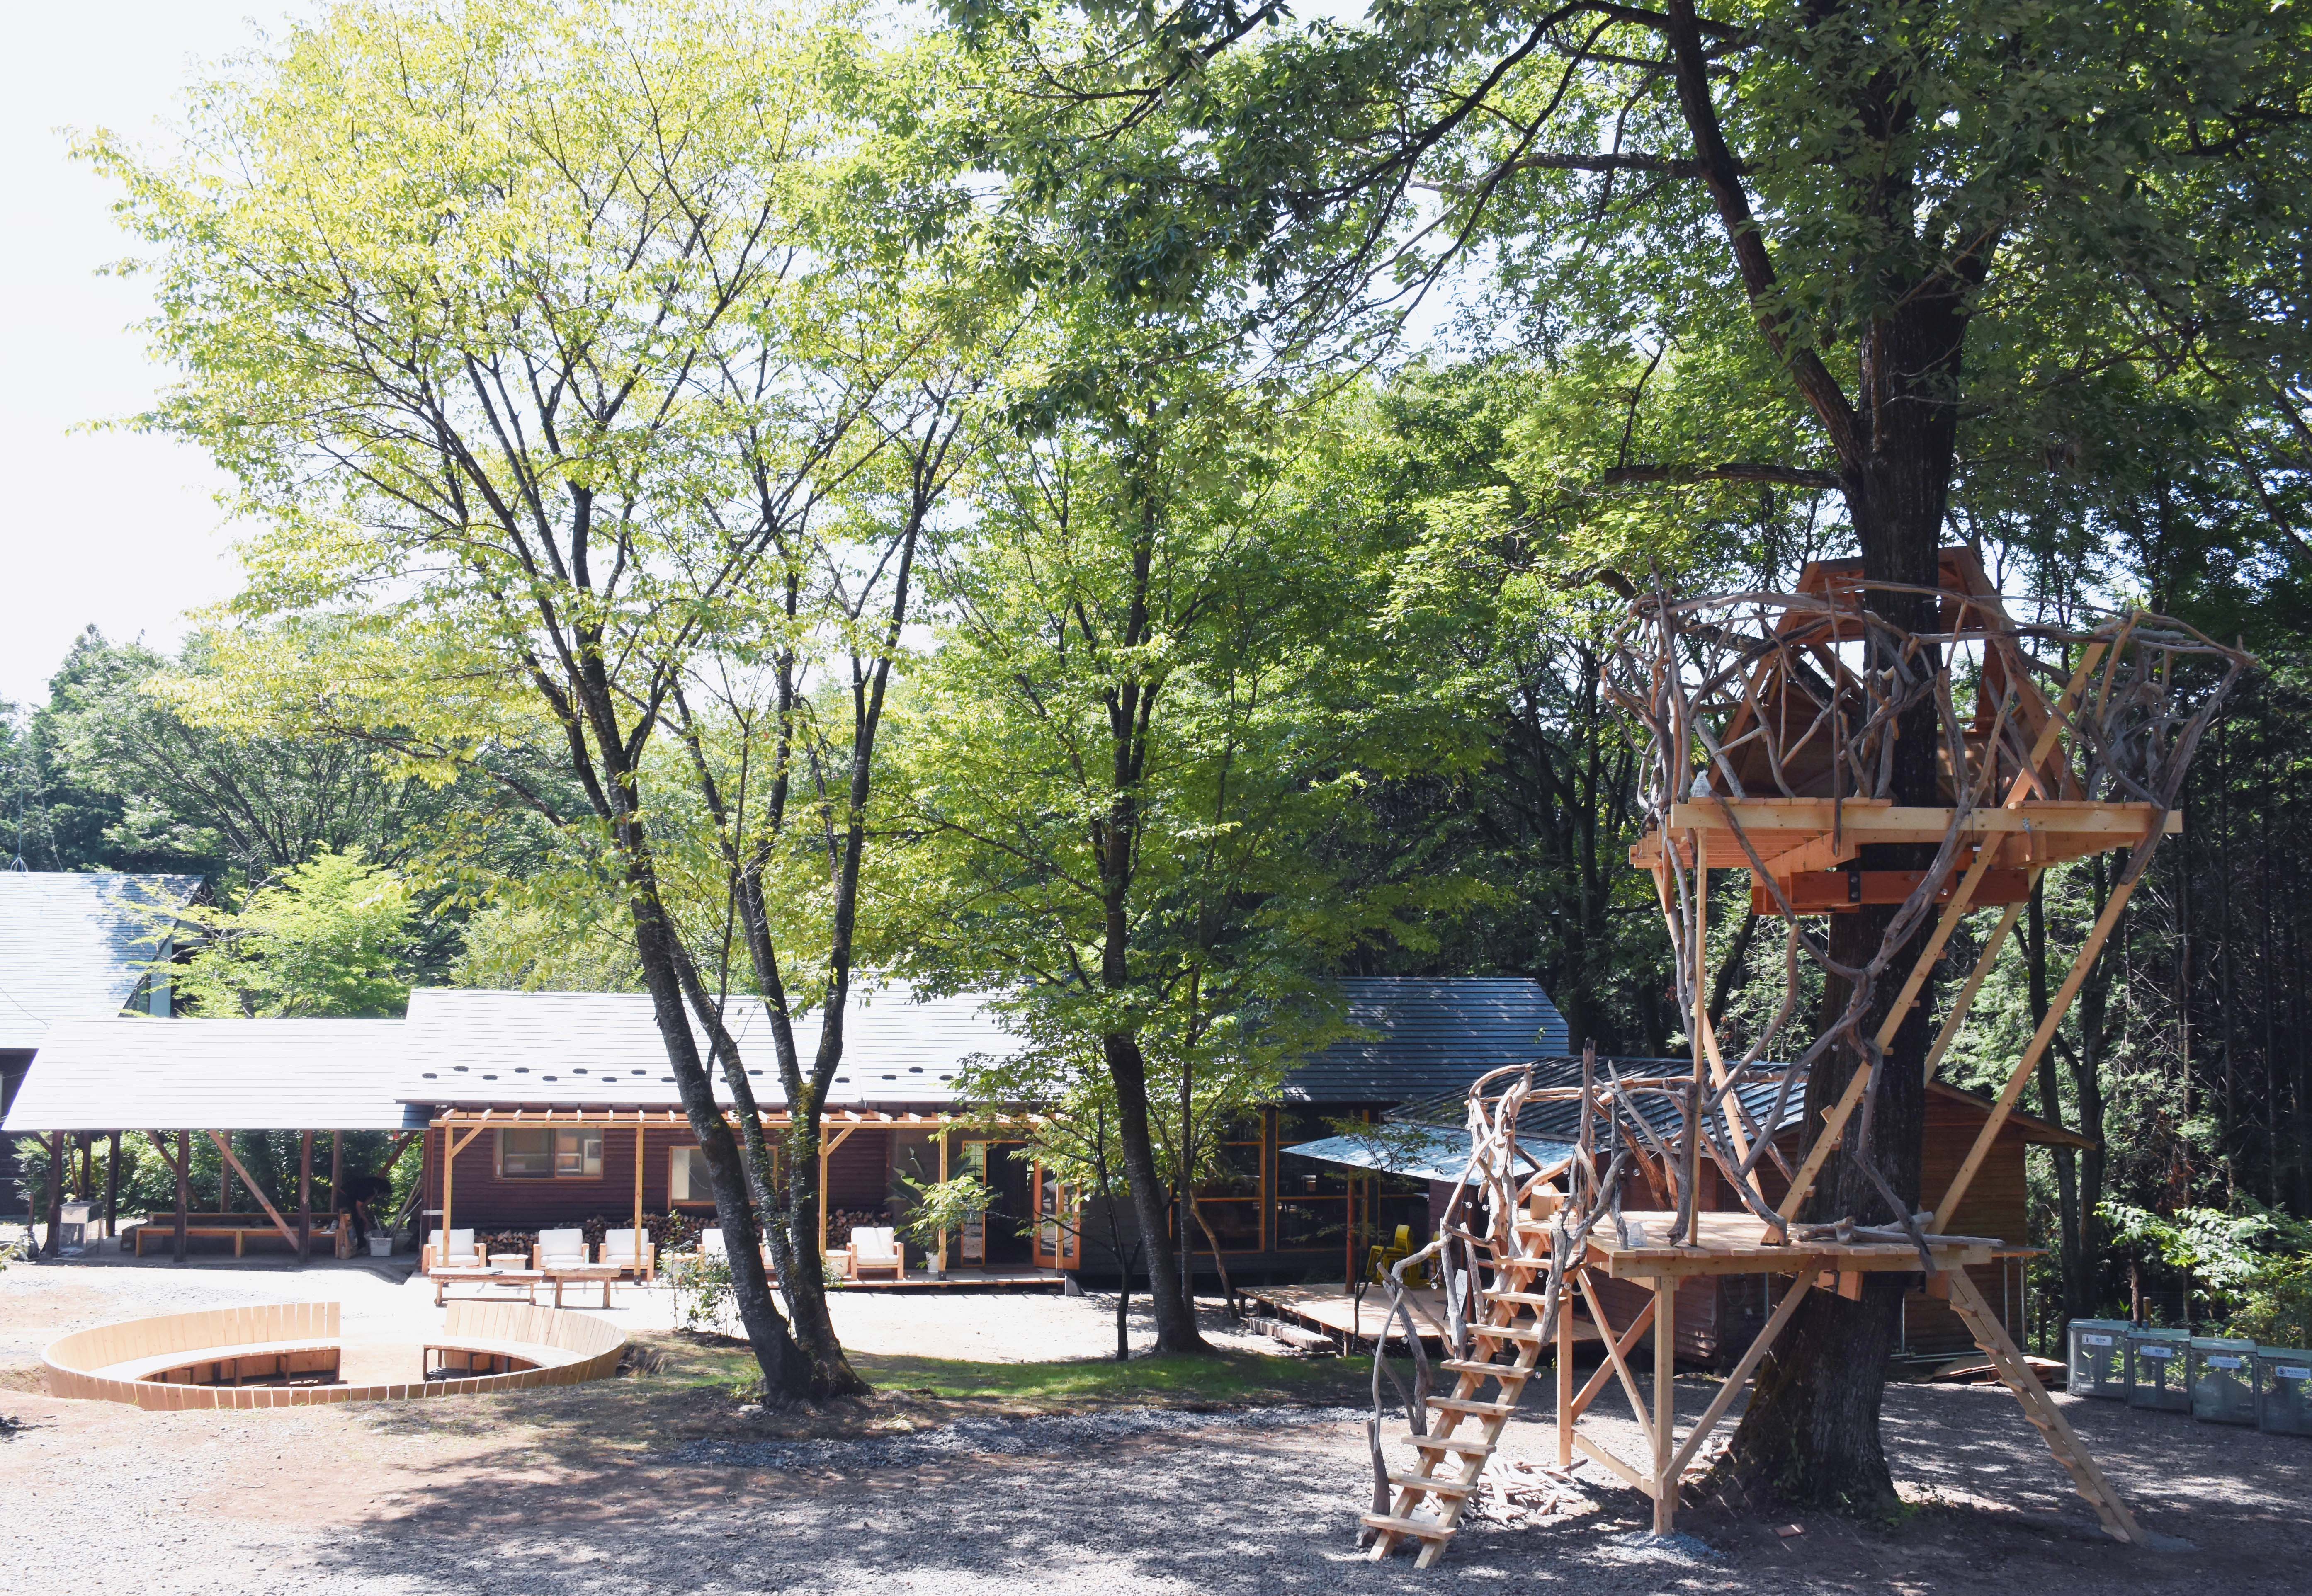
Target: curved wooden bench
x: 566, y: 1349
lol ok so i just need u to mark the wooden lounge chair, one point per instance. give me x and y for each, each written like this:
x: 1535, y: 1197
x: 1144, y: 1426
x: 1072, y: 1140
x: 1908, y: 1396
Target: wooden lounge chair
x: 458, y: 1253
x: 559, y: 1249
x: 874, y: 1248
x: 631, y: 1252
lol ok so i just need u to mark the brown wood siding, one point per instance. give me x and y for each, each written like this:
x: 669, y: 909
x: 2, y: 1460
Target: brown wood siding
x: 859, y: 1172
x: 486, y: 1201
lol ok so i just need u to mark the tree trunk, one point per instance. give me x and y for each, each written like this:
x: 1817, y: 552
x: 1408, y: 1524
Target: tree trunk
x: 1176, y: 1322
x: 1810, y: 1434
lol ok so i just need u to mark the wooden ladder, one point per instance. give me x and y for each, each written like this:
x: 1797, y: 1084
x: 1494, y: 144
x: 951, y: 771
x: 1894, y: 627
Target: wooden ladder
x: 2040, y: 1409
x: 1512, y: 1318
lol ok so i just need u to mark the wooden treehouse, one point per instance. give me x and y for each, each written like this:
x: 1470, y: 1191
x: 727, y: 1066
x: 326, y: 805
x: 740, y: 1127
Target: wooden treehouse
x: 1771, y: 720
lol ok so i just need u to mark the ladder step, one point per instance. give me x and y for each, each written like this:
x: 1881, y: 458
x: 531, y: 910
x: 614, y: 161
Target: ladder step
x: 1419, y: 1528
x: 1462, y: 1365
x: 1471, y: 1405
x: 1435, y: 1488
x: 1453, y: 1444
x: 1507, y: 1332
x: 1529, y: 1298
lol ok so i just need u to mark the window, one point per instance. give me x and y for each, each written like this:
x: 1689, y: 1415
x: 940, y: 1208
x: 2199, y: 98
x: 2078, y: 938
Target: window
x: 686, y: 1179
x: 1230, y: 1199
x: 544, y: 1154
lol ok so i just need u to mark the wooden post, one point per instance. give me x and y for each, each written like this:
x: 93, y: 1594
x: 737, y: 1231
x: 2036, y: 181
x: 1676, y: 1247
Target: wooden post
x: 1966, y: 998
x: 112, y: 1189
x: 224, y: 1146
x: 638, y: 1187
x: 56, y: 1191
x: 448, y: 1185
x: 825, y: 1151
x: 1665, y: 1401
x: 184, y: 1186
x: 1691, y: 1178
x: 1565, y: 1374
x: 339, y: 1226
x: 87, y: 1166
x: 304, y: 1196
x: 942, y: 1166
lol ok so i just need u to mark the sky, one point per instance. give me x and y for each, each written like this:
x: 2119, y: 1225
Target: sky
x: 108, y: 529
x: 100, y: 526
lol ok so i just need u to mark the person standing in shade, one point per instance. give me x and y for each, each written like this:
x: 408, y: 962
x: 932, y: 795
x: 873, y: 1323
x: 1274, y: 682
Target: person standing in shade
x: 355, y: 1197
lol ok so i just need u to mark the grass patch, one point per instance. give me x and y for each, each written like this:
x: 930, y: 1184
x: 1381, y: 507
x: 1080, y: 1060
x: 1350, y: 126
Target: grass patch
x: 1224, y: 1380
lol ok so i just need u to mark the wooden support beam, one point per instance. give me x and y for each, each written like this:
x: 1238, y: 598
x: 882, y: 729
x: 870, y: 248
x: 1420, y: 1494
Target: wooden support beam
x: 452, y: 1144
x: 638, y: 1191
x: 1691, y: 1177
x: 1732, y: 1385
x: 825, y: 1151
x: 1565, y: 1381
x: 112, y: 1189
x: 1966, y: 998
x: 184, y: 1186
x: 1665, y: 1423
x: 2040, y: 1409
x: 336, y: 1188
x: 1833, y: 1127
x: 1621, y: 1365
x: 1604, y: 1372
x: 304, y: 1196
x: 1629, y: 1476
x: 272, y: 1213
x: 56, y: 1191
x: 2057, y: 1009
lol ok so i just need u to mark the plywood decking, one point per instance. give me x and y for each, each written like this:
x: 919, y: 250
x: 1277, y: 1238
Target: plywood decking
x: 1736, y: 1244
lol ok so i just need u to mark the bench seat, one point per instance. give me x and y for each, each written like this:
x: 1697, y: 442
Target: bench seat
x: 144, y: 1368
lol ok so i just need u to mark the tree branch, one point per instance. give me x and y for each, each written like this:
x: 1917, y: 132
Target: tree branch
x: 1793, y: 476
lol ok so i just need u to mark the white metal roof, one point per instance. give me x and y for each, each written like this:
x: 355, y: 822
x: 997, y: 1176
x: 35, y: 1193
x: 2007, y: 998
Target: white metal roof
x: 133, y: 1073
x: 75, y: 946
x: 590, y: 1048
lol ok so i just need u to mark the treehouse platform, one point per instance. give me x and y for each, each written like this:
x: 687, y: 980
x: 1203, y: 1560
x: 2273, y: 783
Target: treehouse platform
x: 1742, y: 1244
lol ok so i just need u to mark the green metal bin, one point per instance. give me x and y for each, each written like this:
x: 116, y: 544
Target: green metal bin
x: 2098, y: 1365
x: 2283, y: 1394
x: 2221, y: 1373
x: 2155, y: 1369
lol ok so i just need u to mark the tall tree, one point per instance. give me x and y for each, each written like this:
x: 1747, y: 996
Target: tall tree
x: 545, y: 366
x: 1848, y: 197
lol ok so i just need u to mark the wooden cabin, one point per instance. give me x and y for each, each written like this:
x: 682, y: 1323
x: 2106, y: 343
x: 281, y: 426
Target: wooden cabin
x: 561, y: 1108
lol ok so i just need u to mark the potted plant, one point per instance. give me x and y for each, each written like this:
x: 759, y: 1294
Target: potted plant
x: 941, y: 1209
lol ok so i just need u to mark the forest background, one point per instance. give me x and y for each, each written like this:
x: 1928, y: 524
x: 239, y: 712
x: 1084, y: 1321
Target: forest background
x: 1365, y: 577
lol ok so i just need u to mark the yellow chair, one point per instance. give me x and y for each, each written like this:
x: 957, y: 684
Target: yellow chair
x: 1380, y: 1259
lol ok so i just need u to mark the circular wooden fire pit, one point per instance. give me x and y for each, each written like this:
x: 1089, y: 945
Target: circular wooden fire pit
x: 292, y: 1351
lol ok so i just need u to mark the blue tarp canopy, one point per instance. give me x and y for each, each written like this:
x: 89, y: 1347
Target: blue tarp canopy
x: 1425, y: 1152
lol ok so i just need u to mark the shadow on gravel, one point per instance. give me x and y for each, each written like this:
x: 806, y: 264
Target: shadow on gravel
x: 1266, y: 1504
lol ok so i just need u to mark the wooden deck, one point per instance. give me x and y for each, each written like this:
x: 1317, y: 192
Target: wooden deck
x: 963, y: 1280
x: 1736, y: 1244
x: 1336, y: 1313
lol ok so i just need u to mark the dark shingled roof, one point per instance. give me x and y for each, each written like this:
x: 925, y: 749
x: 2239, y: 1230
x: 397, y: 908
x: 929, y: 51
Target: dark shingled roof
x: 1430, y: 1037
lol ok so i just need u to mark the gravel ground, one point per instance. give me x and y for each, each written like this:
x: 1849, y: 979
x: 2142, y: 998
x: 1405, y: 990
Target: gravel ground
x: 548, y: 1492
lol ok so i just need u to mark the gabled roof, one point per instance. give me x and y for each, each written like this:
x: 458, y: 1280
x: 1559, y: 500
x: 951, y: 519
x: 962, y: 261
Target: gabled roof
x: 76, y: 946
x: 599, y: 1048
x: 1560, y: 1123
x: 215, y: 1075
x: 573, y: 1049
x: 1433, y: 1036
